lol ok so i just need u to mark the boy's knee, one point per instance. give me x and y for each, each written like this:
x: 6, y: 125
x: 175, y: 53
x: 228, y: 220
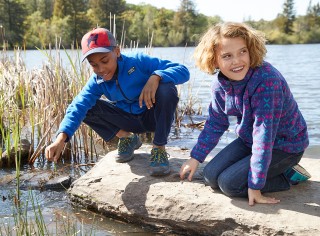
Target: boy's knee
x: 167, y: 92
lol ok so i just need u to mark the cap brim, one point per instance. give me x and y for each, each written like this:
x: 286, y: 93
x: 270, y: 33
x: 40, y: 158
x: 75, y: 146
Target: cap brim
x: 96, y: 50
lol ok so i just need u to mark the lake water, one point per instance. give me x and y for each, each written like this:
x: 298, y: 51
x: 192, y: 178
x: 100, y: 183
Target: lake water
x: 298, y: 63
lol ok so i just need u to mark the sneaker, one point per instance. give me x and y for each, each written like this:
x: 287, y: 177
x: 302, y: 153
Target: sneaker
x: 297, y: 174
x: 126, y: 147
x: 159, y: 165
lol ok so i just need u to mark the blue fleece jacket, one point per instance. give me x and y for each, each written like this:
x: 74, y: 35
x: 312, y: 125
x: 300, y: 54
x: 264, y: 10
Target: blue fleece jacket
x: 123, y: 89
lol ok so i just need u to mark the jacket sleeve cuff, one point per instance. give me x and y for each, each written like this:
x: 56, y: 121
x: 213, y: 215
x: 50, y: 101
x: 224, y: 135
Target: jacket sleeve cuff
x: 197, y: 155
x: 68, y: 135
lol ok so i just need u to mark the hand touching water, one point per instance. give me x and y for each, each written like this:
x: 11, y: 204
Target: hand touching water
x: 53, y: 151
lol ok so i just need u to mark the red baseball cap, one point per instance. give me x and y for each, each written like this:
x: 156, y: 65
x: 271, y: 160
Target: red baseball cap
x: 97, y: 40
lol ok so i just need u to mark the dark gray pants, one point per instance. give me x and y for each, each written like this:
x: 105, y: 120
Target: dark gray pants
x: 106, y: 119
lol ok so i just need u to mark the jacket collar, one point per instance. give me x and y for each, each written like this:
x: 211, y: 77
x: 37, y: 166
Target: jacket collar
x: 227, y: 84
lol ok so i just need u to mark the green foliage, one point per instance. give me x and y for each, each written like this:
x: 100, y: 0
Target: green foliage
x: 184, y: 19
x: 39, y: 23
x: 175, y: 38
x: 62, y: 8
x: 162, y: 25
x: 46, y: 8
x: 103, y: 12
x: 76, y: 11
x: 12, y: 15
x: 37, y: 30
x: 288, y: 16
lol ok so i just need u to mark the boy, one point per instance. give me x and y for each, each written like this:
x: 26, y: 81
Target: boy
x: 141, y: 94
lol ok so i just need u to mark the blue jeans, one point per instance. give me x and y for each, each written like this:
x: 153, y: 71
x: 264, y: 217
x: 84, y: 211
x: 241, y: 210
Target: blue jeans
x: 229, y: 169
x: 106, y: 119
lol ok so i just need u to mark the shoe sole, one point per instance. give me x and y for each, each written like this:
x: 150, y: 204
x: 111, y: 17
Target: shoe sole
x: 160, y: 172
x: 123, y: 159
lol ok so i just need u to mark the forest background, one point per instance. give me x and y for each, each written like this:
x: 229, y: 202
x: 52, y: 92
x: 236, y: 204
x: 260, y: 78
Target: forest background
x: 29, y: 24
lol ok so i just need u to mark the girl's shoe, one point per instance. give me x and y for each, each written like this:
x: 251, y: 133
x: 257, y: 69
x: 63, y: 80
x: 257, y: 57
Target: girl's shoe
x: 297, y: 174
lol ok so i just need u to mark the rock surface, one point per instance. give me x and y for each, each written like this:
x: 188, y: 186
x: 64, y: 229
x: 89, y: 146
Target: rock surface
x: 127, y: 192
x: 36, y: 179
x: 24, y: 149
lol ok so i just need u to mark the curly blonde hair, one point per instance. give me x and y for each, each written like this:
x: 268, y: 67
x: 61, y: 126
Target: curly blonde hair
x: 205, y: 52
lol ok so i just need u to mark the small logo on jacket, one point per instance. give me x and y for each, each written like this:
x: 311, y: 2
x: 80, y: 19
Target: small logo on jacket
x: 132, y: 69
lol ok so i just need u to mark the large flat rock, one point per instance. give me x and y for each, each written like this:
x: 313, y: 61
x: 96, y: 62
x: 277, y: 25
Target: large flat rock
x: 126, y: 191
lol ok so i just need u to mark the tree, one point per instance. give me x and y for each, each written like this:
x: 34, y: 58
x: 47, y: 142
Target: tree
x: 31, y: 6
x: 311, y: 24
x: 313, y: 15
x: 162, y: 25
x: 76, y: 11
x: 61, y: 8
x: 184, y: 19
x: 46, y: 8
x: 136, y: 30
x: 201, y: 24
x: 37, y: 33
x: 101, y: 10
x: 289, y: 16
x: 13, y: 13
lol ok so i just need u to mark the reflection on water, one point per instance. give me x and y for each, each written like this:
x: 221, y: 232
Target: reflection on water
x: 60, y: 217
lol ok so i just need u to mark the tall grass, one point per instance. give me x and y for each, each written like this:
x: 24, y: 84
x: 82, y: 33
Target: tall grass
x: 36, y: 101
x: 32, y: 104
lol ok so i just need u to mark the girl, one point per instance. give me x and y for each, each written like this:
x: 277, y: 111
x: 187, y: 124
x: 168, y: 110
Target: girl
x: 272, y: 133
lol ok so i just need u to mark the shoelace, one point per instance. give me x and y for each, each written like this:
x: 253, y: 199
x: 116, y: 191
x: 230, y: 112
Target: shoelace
x: 159, y: 155
x: 124, y: 144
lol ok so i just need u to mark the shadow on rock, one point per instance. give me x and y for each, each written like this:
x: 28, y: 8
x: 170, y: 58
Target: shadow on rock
x: 134, y: 200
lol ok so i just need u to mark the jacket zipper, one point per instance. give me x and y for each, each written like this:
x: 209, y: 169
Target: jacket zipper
x: 121, y: 91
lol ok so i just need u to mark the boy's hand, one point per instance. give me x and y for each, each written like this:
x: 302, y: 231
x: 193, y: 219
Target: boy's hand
x: 255, y: 196
x: 148, y: 93
x: 53, y: 151
x: 190, y: 165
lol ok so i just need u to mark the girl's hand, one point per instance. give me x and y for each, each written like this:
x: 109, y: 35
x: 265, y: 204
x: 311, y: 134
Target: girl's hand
x: 255, y: 196
x: 190, y: 165
x: 53, y: 151
x: 148, y: 93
